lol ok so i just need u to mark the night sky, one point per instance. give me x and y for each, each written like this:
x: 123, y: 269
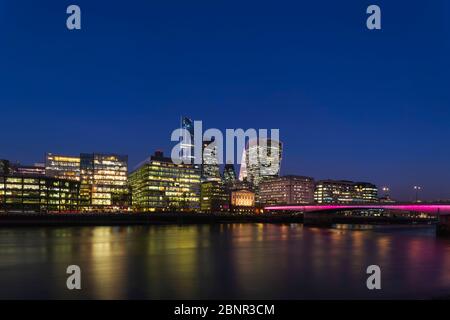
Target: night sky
x: 350, y: 103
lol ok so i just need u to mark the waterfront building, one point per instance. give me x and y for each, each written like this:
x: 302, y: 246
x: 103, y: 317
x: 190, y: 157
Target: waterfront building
x: 104, y: 182
x: 343, y: 191
x: 366, y: 192
x: 210, y: 166
x: 158, y: 184
x: 62, y: 167
x: 242, y: 201
x: 289, y: 189
x: 261, y: 159
x: 214, y: 197
x: 26, y: 193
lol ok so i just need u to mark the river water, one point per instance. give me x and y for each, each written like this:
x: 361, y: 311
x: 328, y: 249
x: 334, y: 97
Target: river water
x: 228, y: 261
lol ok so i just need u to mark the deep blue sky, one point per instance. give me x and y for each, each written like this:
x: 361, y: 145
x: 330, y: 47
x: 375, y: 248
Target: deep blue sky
x: 350, y: 103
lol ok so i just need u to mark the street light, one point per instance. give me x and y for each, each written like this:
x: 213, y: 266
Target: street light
x: 385, y: 193
x: 417, y: 188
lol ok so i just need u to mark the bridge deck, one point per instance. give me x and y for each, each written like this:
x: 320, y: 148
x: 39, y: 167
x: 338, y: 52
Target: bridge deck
x: 441, y: 209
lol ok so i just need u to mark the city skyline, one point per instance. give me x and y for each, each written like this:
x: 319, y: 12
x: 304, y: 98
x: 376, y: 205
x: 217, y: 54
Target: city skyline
x: 416, y: 190
x: 62, y: 167
x: 350, y: 104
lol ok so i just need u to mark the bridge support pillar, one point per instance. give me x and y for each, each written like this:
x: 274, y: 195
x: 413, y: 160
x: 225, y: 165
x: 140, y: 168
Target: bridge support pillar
x: 443, y: 226
x: 317, y: 219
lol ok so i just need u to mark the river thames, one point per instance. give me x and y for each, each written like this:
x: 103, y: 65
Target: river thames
x: 224, y: 261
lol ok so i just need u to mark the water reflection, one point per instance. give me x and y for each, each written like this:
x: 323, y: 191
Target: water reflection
x: 255, y: 261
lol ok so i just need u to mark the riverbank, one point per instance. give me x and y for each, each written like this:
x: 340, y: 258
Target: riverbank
x: 97, y: 219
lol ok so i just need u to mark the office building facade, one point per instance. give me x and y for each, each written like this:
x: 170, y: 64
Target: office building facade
x: 38, y: 194
x: 62, y: 167
x: 342, y: 191
x: 104, y: 182
x: 214, y: 197
x: 366, y: 192
x: 210, y: 166
x: 286, y: 190
x: 158, y: 184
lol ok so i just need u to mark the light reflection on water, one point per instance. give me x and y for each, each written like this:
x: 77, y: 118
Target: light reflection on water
x: 240, y: 261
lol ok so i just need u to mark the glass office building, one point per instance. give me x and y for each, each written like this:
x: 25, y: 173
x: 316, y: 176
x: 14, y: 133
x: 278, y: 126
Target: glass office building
x: 214, y: 197
x: 187, y: 147
x: 62, y: 167
x: 366, y: 192
x: 104, y: 182
x: 37, y: 194
x: 342, y: 191
x: 210, y: 166
x: 229, y: 175
x: 160, y: 185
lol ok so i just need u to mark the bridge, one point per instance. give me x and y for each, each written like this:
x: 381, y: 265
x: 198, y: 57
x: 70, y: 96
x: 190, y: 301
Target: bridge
x: 323, y: 213
x: 428, y: 208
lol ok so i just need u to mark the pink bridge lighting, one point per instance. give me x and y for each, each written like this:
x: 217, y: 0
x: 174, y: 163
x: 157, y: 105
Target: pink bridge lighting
x: 443, y: 209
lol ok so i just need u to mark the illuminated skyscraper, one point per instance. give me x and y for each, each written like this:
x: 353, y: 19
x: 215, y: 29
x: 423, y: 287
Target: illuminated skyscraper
x: 261, y: 159
x: 187, y: 148
x: 158, y: 184
x: 104, y: 183
x: 229, y: 175
x: 243, y: 175
x: 210, y: 166
x: 63, y: 167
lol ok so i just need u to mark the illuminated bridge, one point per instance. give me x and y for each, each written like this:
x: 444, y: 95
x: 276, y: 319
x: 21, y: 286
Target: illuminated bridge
x: 428, y: 208
x: 324, y: 213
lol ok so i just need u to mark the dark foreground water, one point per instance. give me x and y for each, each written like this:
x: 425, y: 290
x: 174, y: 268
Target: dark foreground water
x: 239, y: 261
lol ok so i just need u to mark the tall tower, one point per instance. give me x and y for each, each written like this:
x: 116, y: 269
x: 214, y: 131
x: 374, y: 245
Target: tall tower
x: 243, y: 168
x: 187, y: 149
x: 229, y: 175
x: 210, y: 166
x: 261, y: 159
